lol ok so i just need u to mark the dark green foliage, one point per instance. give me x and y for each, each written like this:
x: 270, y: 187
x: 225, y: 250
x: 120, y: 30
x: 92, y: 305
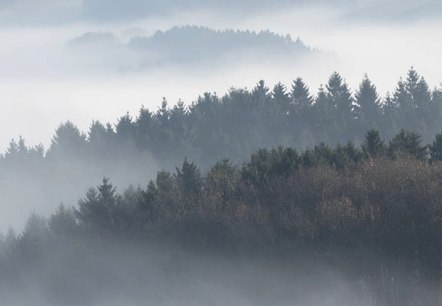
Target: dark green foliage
x: 265, y: 164
x: 374, y: 146
x: 301, y: 97
x: 189, y: 177
x: 341, y: 102
x: 359, y: 209
x: 332, y: 198
x: 99, y: 209
x: 436, y: 149
x: 408, y: 143
x: 369, y: 102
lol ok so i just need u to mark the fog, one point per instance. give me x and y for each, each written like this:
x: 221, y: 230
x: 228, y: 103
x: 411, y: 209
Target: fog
x: 166, y: 276
x: 88, y: 60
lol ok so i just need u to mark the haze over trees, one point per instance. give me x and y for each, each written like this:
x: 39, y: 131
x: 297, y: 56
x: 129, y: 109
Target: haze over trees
x: 242, y: 121
x: 210, y: 129
x: 191, y: 45
x: 342, y: 179
x: 371, y: 211
x: 279, y: 191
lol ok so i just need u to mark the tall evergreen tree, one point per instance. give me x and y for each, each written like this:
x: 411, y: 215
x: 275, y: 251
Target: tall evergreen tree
x: 414, y: 102
x: 369, y: 103
x: 436, y: 149
x: 280, y: 96
x: 68, y: 141
x: 301, y: 97
x: 408, y: 143
x: 99, y: 208
x: 374, y: 146
x: 343, y: 108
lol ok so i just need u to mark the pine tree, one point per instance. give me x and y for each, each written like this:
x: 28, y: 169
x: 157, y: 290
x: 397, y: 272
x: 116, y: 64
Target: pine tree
x: 301, y: 97
x: 374, y: 146
x: 281, y: 97
x: 436, y: 149
x: 407, y: 143
x: 414, y: 100
x: 369, y: 103
x: 260, y: 93
x: 344, y: 110
x: 68, y: 141
x: 339, y: 96
x: 63, y: 222
x: 125, y: 128
x: 98, y: 210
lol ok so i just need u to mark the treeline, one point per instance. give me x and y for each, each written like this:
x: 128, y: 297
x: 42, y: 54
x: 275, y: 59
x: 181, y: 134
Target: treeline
x: 374, y: 210
x: 196, y: 43
x: 243, y: 121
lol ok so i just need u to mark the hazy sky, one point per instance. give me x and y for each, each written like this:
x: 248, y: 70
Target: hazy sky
x: 44, y: 80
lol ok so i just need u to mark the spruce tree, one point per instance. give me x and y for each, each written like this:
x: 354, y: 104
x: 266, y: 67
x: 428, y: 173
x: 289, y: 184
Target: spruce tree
x: 369, y: 103
x: 374, y: 146
x: 301, y: 97
x: 280, y: 96
x: 343, y: 110
x: 436, y: 149
x: 407, y: 143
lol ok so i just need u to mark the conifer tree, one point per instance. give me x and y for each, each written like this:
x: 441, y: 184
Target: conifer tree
x: 281, y: 98
x: 407, y: 143
x: 374, y: 146
x: 369, y: 103
x: 301, y: 97
x: 343, y: 109
x: 436, y: 149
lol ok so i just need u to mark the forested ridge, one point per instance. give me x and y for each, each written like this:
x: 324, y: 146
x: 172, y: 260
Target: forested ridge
x: 348, y: 181
x: 373, y: 211
x: 190, y: 44
x: 242, y: 121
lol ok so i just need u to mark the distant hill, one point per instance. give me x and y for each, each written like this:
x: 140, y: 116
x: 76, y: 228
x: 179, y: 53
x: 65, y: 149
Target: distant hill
x: 194, y: 43
x: 190, y: 45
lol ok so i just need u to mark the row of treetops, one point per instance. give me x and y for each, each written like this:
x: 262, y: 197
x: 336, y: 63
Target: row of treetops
x: 237, y: 124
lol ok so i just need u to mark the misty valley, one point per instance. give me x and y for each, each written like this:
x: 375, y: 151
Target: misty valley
x: 220, y: 152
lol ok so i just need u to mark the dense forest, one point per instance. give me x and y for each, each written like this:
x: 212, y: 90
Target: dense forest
x: 373, y: 211
x: 235, y: 125
x: 210, y: 129
x: 343, y: 182
x: 146, y: 190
